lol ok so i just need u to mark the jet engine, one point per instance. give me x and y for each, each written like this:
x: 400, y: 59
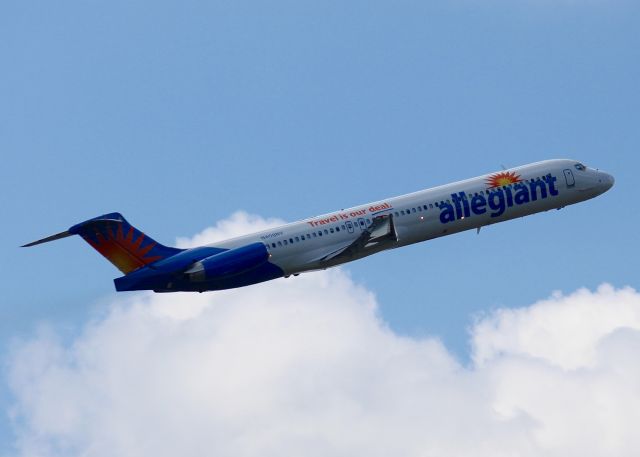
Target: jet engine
x: 228, y: 263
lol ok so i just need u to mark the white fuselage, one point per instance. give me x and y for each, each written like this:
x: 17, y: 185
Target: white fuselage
x: 431, y: 213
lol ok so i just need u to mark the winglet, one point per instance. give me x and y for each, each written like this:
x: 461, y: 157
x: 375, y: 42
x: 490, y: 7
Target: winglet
x: 57, y: 236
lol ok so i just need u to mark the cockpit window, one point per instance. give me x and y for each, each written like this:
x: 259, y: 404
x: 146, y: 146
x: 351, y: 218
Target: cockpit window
x: 580, y: 167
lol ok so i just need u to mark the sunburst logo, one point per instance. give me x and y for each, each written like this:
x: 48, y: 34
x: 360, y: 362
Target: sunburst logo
x: 503, y: 179
x: 122, y: 250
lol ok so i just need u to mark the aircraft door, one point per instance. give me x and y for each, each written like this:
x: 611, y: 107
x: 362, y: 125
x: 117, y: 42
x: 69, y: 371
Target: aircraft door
x: 568, y: 177
x: 349, y: 225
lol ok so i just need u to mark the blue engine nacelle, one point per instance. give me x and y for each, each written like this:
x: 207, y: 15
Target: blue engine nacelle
x: 228, y: 263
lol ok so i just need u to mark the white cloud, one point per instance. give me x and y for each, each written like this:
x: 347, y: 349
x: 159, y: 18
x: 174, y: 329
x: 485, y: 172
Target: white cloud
x: 305, y: 366
x: 564, y: 331
x: 239, y: 223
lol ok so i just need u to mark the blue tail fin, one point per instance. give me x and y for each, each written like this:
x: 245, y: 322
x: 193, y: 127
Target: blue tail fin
x: 122, y: 244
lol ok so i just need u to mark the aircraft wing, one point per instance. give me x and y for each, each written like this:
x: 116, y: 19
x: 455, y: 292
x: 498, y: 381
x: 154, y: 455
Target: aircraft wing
x: 381, y: 231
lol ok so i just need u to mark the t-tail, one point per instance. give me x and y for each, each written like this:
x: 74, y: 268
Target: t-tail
x: 121, y: 243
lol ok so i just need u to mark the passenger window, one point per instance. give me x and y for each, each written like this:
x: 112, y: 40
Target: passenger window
x: 326, y: 232
x: 297, y: 239
x: 331, y: 230
x: 413, y: 210
x: 285, y: 242
x: 314, y: 234
x: 280, y: 243
x: 273, y: 245
x: 397, y: 215
x: 402, y: 212
x: 419, y: 208
x: 425, y: 207
x: 320, y: 233
x: 337, y: 229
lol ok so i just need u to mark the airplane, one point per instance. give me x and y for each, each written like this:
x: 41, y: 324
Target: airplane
x: 339, y: 237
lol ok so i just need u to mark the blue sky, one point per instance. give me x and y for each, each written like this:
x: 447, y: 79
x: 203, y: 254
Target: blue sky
x: 177, y: 114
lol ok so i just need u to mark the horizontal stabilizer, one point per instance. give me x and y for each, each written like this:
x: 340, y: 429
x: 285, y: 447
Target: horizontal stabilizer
x: 57, y: 236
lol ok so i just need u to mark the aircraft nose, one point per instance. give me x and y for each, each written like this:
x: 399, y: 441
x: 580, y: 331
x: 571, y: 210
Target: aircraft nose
x: 606, y: 180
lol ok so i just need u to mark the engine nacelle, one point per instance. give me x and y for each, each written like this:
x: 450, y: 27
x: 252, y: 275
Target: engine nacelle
x: 229, y: 263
